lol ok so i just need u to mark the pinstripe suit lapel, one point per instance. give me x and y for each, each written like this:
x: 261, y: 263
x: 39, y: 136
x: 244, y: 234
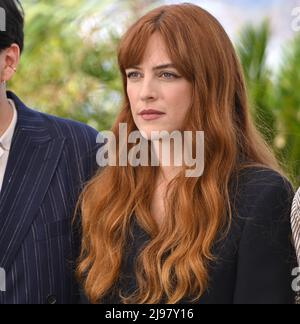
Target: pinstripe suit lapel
x: 32, y: 162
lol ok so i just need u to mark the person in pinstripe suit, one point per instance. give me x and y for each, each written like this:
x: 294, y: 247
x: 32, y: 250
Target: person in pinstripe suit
x: 44, y: 162
x: 295, y: 219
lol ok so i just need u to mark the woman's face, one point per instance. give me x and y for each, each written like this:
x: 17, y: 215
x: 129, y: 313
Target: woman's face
x: 152, y: 87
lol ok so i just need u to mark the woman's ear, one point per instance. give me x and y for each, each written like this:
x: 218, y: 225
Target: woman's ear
x: 11, y: 58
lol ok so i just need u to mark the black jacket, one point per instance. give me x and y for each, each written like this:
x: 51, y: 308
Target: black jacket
x: 255, y: 261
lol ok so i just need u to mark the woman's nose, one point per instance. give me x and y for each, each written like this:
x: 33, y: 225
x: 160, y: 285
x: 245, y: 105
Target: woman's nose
x: 148, y: 89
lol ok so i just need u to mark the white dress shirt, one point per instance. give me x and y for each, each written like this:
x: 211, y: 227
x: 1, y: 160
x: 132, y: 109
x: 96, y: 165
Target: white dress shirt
x: 5, y: 143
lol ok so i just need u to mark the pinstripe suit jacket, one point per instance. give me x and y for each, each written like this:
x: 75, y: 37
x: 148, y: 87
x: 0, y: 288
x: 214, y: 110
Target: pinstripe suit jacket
x: 295, y: 219
x: 50, y: 160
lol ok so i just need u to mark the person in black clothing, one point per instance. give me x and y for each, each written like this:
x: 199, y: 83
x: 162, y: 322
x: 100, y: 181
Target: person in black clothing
x: 151, y: 233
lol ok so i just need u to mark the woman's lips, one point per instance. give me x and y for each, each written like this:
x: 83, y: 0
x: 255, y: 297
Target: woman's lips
x: 152, y: 116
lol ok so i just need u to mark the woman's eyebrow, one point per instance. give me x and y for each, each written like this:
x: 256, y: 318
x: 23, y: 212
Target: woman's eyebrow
x: 159, y: 67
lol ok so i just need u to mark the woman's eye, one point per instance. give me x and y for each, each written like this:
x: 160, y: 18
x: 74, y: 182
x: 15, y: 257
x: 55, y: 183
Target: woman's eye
x: 169, y: 75
x: 132, y: 74
x: 166, y: 75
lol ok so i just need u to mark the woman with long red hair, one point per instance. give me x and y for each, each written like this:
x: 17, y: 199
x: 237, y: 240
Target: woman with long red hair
x: 150, y: 234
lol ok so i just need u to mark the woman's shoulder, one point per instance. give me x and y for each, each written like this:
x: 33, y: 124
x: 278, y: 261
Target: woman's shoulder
x: 261, y: 191
x: 262, y: 176
x: 259, y: 180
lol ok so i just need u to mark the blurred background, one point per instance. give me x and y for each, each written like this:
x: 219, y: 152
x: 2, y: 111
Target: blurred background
x: 69, y: 65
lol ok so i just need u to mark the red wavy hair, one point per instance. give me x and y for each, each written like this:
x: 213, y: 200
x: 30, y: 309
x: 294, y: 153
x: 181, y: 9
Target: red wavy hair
x: 174, y: 263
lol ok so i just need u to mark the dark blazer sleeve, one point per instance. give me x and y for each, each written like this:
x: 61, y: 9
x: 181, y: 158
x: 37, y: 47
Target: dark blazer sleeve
x: 86, y: 148
x: 266, y: 255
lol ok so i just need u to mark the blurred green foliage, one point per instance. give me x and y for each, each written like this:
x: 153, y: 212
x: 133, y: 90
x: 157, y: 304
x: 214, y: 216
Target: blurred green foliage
x: 69, y: 68
x: 69, y: 65
x: 273, y: 94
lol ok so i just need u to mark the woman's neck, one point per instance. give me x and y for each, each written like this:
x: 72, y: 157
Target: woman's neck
x: 167, y: 172
x: 6, y: 113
